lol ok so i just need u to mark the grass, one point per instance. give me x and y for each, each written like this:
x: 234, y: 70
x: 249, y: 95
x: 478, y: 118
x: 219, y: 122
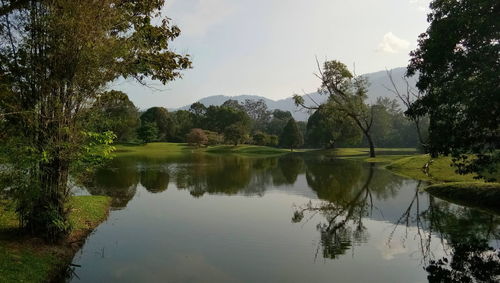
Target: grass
x: 154, y: 149
x: 440, y: 170
x: 475, y: 194
x: 24, y: 259
x: 168, y: 149
x: 447, y: 184
x: 246, y: 150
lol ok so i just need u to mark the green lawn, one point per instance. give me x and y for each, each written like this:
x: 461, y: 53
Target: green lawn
x: 167, y: 149
x: 24, y: 259
x: 440, y: 169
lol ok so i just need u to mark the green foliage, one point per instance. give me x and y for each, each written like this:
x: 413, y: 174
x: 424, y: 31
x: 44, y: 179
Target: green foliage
x: 148, y: 132
x: 236, y: 133
x: 291, y: 136
x: 260, y: 138
x: 457, y: 62
x: 163, y: 120
x: 328, y: 128
x: 59, y: 55
x: 346, y: 94
x: 114, y: 112
x: 214, y: 138
x: 278, y: 122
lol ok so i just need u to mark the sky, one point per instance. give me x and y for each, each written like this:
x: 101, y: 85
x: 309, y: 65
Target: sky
x: 268, y: 47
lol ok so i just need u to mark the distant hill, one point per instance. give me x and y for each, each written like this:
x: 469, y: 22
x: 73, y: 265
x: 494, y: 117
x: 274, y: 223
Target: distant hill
x: 376, y: 89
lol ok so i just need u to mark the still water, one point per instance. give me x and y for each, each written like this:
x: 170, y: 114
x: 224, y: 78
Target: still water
x: 210, y: 218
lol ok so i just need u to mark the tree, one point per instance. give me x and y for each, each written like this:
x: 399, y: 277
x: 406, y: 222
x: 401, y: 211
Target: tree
x: 218, y: 118
x: 291, y: 137
x: 148, y: 132
x: 408, y: 97
x: 328, y: 128
x: 197, y: 137
x: 113, y: 111
x: 236, y: 133
x: 56, y: 56
x: 258, y: 112
x: 163, y: 120
x: 457, y: 60
x: 184, y: 121
x: 278, y: 121
x: 347, y: 94
x: 231, y: 103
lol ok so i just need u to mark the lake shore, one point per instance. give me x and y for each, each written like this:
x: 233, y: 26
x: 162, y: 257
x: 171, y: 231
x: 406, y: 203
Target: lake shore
x: 445, y: 182
x: 28, y: 259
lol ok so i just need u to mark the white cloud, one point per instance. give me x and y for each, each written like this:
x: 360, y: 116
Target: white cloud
x: 393, y: 44
x: 203, y: 15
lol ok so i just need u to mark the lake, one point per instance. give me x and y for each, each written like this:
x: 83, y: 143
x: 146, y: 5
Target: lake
x: 293, y: 218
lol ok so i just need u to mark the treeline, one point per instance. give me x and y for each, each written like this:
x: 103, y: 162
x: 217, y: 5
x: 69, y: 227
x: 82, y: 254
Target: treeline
x: 250, y: 122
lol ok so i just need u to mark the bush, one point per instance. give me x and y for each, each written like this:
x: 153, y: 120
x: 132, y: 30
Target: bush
x: 214, y: 138
x: 197, y: 137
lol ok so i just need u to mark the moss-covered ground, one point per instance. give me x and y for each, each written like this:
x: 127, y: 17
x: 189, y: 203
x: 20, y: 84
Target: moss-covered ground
x: 27, y: 259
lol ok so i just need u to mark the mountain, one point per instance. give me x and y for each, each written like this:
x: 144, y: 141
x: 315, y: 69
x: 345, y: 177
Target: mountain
x: 377, y: 83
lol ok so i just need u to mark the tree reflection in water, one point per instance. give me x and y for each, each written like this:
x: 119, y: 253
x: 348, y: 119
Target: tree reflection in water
x: 350, y: 193
x: 466, y: 235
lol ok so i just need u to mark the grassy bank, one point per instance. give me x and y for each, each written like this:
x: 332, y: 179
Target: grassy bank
x: 475, y: 194
x: 168, y: 149
x: 446, y: 183
x: 28, y: 259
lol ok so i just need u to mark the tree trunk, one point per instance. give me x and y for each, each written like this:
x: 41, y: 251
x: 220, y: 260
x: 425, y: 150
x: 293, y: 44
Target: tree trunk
x: 370, y: 142
x: 48, y: 216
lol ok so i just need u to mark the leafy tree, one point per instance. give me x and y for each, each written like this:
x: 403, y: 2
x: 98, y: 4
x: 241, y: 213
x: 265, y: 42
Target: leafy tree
x: 184, y: 121
x: 148, y: 132
x: 457, y: 60
x: 214, y: 138
x: 231, y: 103
x: 55, y: 57
x: 328, y: 128
x: 260, y: 138
x: 218, y: 118
x: 113, y: 111
x: 258, y: 112
x: 236, y: 133
x: 291, y: 136
x: 347, y: 94
x: 163, y: 120
x: 197, y: 137
x: 278, y: 121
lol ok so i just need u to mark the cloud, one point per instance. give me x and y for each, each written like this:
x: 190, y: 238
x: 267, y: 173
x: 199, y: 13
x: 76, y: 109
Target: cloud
x: 393, y: 44
x: 197, y: 19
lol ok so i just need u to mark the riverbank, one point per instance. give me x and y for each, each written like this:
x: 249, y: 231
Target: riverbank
x: 445, y: 182
x: 28, y: 259
x: 170, y: 149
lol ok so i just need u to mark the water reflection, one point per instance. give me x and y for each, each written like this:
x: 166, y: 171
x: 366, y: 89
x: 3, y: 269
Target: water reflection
x: 346, y: 199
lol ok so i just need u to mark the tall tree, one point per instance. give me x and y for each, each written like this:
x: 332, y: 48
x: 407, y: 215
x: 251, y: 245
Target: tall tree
x: 458, y: 62
x: 113, y: 111
x: 328, y: 128
x: 291, y: 136
x: 163, y: 120
x: 346, y: 94
x: 55, y: 57
x: 258, y: 112
x: 236, y: 133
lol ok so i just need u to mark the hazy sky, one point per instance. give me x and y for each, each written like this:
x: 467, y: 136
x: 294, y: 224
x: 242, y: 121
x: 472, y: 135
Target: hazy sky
x: 268, y: 47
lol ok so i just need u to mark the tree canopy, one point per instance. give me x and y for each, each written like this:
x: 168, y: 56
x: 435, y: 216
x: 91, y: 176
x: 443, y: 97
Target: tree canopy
x: 458, y: 63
